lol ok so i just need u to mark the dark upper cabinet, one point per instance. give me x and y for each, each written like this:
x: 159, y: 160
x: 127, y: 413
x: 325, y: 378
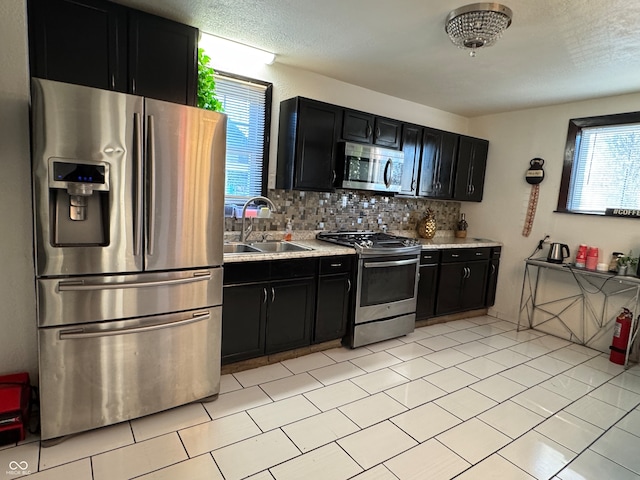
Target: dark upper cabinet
x: 104, y: 45
x: 82, y: 42
x: 472, y: 162
x: 367, y: 128
x: 412, y: 149
x: 439, y: 150
x: 308, y: 136
x: 357, y: 126
x: 162, y: 58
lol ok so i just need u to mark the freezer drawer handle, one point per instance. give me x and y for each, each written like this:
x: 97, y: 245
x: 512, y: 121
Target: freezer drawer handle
x: 79, y: 285
x: 79, y: 333
x: 393, y: 263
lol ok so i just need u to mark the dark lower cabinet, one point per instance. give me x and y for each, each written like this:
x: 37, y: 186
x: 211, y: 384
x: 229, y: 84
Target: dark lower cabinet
x: 333, y: 303
x: 428, y: 284
x: 462, y: 283
x: 244, y: 318
x: 290, y: 314
x: 492, y: 279
x: 268, y: 307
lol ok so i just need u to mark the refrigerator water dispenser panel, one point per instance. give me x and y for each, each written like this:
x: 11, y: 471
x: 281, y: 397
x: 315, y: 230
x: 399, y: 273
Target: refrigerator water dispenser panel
x: 78, y: 193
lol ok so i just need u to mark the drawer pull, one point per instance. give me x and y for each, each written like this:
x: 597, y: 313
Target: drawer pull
x: 336, y: 264
x: 454, y: 255
x: 478, y: 253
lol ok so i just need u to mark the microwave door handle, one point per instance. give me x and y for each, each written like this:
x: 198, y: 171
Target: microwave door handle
x: 151, y: 171
x: 387, y: 171
x: 137, y: 184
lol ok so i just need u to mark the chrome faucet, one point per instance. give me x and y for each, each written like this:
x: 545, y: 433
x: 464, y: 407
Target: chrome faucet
x: 246, y: 231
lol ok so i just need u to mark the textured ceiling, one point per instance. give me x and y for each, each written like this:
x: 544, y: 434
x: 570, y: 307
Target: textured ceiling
x: 554, y: 51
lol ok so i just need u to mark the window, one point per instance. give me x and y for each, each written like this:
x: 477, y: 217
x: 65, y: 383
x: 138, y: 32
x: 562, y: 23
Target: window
x: 601, y: 173
x: 247, y: 103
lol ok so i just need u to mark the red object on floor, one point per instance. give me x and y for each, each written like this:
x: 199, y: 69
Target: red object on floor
x: 15, y: 391
x: 621, y: 332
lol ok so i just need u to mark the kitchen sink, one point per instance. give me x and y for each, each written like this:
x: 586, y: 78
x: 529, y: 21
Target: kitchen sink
x: 276, y: 247
x: 239, y: 248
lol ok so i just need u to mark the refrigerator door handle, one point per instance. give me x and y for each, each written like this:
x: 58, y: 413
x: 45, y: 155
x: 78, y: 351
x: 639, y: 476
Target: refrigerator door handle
x: 80, y: 333
x: 79, y: 285
x: 151, y: 158
x: 137, y: 184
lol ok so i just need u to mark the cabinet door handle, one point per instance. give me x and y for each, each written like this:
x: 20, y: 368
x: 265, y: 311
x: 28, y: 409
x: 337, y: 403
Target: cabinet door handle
x: 377, y: 132
x: 348, y: 285
x: 264, y: 290
x: 413, y: 185
x: 493, y: 269
x: 467, y: 272
x: 113, y: 81
x: 369, y: 129
x: 333, y: 176
x: 473, y: 189
x: 273, y: 294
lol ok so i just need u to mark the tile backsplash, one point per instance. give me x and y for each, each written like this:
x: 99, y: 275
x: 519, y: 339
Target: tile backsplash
x: 350, y: 210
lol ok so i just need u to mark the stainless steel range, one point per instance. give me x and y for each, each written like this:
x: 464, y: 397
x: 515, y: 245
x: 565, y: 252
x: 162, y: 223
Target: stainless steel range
x: 387, y: 284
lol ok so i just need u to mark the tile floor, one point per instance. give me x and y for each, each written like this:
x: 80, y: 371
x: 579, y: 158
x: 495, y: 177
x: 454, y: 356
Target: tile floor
x: 471, y: 399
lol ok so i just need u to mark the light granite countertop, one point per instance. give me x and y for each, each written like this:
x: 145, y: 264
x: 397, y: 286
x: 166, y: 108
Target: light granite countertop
x: 326, y: 249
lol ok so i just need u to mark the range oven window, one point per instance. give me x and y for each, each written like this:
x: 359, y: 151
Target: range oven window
x: 387, y: 279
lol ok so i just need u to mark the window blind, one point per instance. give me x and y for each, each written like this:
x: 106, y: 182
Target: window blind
x: 606, y: 169
x: 244, y: 104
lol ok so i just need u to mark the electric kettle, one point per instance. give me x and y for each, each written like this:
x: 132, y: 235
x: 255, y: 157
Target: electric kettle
x: 556, y: 253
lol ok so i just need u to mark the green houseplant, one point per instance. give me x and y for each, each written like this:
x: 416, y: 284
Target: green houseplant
x: 207, y: 84
x: 626, y: 263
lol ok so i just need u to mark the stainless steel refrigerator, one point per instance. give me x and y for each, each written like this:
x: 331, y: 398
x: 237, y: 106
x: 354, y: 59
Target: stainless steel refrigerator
x: 128, y: 211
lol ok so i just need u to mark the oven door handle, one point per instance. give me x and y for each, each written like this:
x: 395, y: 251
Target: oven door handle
x: 393, y: 263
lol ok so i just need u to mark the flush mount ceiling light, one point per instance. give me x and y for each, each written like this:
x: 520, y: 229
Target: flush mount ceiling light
x: 477, y: 25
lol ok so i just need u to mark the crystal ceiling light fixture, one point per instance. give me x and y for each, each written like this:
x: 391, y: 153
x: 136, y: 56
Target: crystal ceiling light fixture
x: 477, y: 25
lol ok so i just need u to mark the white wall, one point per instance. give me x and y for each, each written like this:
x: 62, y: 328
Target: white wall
x: 18, y: 350
x: 515, y: 138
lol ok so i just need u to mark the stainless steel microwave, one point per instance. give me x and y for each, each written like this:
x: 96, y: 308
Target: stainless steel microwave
x: 367, y: 167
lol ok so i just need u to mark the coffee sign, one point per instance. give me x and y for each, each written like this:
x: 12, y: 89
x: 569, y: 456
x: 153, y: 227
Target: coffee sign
x: 623, y: 212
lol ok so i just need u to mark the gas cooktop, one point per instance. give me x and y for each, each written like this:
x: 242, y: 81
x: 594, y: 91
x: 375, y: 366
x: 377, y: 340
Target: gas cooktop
x: 372, y: 242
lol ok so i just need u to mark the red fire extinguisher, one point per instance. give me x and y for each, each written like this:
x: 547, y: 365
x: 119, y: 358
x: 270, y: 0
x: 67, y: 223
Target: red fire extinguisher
x: 621, y: 332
